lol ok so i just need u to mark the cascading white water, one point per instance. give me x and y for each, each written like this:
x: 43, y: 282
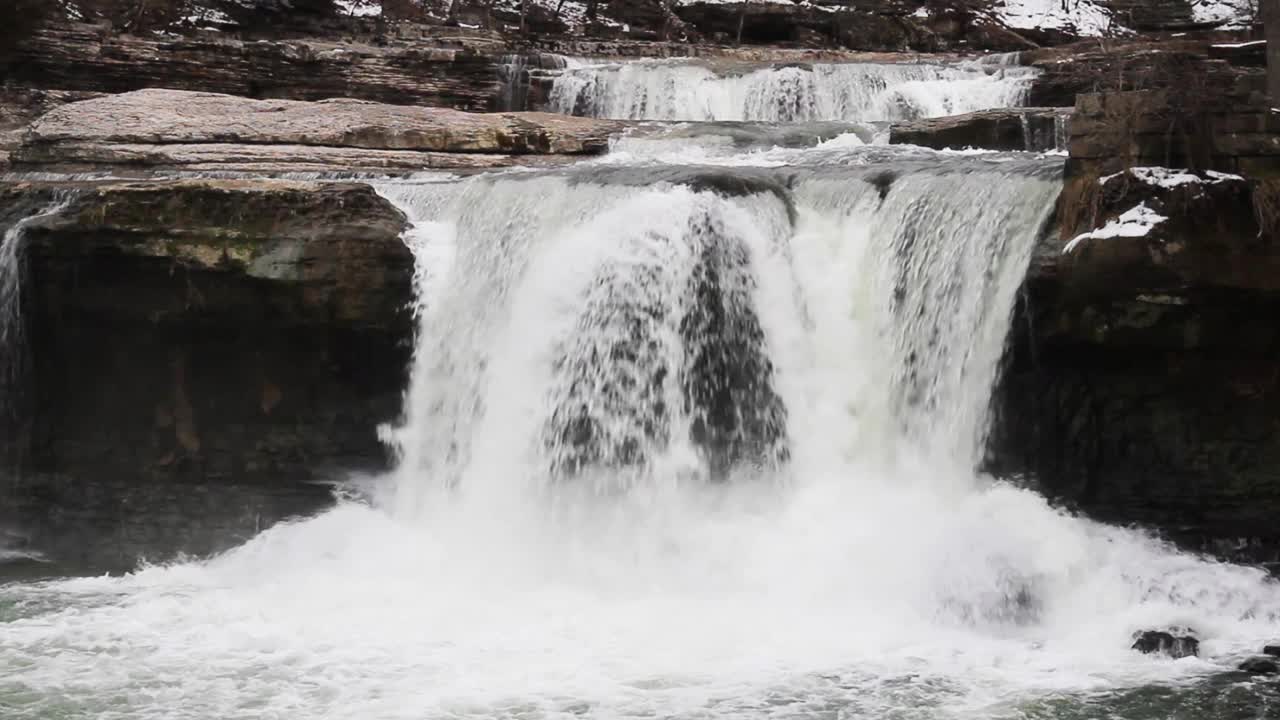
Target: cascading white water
x: 679, y: 442
x: 11, y: 249
x: 669, y: 90
x: 12, y: 350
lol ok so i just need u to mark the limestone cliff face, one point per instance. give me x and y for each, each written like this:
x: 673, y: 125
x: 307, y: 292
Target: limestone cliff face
x: 198, y: 353
x: 183, y: 333
x: 1141, y: 385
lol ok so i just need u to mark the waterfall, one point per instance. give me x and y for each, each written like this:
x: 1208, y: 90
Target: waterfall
x: 682, y: 90
x: 11, y: 271
x: 671, y: 328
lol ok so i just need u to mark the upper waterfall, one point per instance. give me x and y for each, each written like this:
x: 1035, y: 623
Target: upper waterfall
x: 687, y: 90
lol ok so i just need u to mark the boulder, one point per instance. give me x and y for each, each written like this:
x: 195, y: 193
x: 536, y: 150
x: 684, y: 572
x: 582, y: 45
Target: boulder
x: 1140, y: 385
x: 184, y: 331
x: 1034, y: 129
x: 1271, y: 650
x: 1154, y: 229
x: 1260, y: 666
x: 1153, y: 642
x: 198, y: 354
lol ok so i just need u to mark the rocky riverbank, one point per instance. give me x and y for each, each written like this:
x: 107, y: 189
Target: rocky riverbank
x: 1141, y: 385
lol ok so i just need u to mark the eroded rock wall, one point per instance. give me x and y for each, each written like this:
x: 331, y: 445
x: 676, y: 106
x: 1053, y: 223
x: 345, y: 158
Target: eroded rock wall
x: 1142, y: 383
x: 214, y: 346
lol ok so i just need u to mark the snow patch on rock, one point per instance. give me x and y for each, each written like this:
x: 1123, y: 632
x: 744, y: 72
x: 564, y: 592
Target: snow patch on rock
x: 360, y: 9
x: 1092, y: 18
x: 1228, y: 14
x: 1169, y: 177
x: 1134, y: 222
x: 1083, y: 16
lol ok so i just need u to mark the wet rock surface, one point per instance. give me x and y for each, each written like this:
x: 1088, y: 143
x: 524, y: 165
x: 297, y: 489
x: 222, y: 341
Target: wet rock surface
x: 198, y: 331
x: 1160, y: 642
x: 1260, y: 666
x: 1031, y: 129
x: 1140, y: 385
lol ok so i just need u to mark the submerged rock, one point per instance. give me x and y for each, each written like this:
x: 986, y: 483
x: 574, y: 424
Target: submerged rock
x: 1153, y: 642
x: 1260, y: 666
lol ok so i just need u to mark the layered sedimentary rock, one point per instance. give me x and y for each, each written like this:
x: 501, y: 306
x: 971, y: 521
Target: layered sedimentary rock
x: 229, y: 327
x: 212, y: 342
x: 1119, y: 66
x: 20, y: 106
x: 1223, y: 129
x: 1033, y: 129
x: 450, y: 70
x: 206, y: 131
x: 1142, y: 385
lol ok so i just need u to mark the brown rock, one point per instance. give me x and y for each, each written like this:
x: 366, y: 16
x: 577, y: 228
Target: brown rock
x: 1034, y: 129
x: 442, y: 69
x: 191, y: 332
x: 179, y: 117
x: 205, y: 131
x: 76, y: 157
x: 339, y: 241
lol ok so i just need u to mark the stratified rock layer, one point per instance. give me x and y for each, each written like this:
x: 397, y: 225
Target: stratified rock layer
x: 1141, y: 386
x: 1033, y: 129
x: 214, y: 329
x: 190, y: 130
x: 451, y: 70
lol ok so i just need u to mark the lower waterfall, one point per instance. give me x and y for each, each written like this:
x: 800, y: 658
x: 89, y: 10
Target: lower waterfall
x: 680, y: 441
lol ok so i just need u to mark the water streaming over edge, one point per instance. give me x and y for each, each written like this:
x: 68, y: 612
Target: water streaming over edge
x: 681, y: 90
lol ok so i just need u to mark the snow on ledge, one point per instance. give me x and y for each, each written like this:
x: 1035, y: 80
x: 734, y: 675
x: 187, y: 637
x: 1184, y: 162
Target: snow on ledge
x: 1093, y: 18
x: 1169, y: 177
x: 1086, y: 17
x: 354, y: 9
x: 1135, y: 222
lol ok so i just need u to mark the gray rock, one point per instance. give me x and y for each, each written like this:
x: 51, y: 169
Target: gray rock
x: 1154, y: 642
x: 1034, y: 129
x: 1260, y: 666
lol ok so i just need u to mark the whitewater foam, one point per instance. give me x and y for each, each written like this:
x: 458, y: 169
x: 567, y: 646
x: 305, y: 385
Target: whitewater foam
x: 682, y: 90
